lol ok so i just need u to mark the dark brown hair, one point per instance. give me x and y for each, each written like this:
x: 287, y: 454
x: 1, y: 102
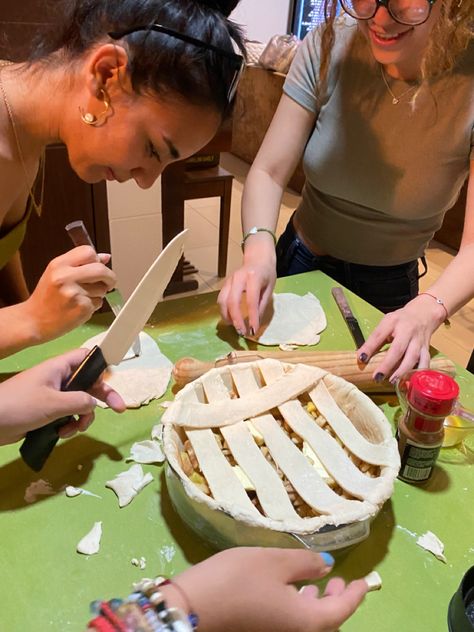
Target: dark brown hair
x: 158, y: 63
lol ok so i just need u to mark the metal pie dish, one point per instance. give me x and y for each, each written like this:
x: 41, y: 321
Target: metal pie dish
x: 224, y: 525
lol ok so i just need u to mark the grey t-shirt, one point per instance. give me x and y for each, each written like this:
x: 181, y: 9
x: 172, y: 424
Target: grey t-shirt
x: 379, y: 176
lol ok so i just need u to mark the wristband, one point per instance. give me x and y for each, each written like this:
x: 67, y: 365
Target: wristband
x: 254, y: 230
x: 192, y: 616
x: 440, y: 302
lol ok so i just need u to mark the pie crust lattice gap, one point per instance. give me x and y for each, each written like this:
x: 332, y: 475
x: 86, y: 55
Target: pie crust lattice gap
x: 287, y: 447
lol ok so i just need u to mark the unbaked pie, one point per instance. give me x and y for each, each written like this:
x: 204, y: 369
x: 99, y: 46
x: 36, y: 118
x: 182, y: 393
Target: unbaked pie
x: 286, y: 447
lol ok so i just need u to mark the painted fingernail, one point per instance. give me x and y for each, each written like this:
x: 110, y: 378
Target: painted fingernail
x: 379, y: 377
x: 328, y: 559
x: 364, y: 358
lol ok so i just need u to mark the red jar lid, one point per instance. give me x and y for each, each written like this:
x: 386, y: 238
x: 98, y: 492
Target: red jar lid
x: 432, y: 392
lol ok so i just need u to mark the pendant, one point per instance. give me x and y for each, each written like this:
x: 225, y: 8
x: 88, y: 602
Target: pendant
x: 395, y: 101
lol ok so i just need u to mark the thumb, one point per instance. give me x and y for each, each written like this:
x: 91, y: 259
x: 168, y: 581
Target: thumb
x: 302, y: 564
x: 104, y: 257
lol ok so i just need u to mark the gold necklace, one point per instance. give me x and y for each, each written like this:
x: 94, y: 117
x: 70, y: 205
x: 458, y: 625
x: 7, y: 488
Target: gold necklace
x: 37, y: 207
x: 395, y: 99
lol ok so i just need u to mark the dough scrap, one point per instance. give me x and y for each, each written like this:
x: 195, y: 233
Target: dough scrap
x: 129, y: 483
x: 292, y: 320
x: 140, y: 563
x: 138, y: 380
x: 373, y: 580
x: 430, y: 542
x: 90, y: 543
x: 148, y: 451
x: 72, y: 492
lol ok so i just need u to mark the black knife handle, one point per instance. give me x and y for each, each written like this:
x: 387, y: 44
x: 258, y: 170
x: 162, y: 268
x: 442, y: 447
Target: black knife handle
x: 39, y: 443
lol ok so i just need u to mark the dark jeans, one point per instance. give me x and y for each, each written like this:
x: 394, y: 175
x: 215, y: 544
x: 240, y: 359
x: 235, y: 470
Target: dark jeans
x: 386, y: 287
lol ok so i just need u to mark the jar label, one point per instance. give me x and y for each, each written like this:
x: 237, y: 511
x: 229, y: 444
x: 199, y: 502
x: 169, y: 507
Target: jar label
x: 417, y: 461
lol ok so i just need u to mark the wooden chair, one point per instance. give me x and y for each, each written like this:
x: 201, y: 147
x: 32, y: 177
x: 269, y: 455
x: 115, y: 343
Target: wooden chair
x: 213, y: 182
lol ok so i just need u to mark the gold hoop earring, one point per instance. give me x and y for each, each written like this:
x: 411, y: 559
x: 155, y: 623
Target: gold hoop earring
x: 91, y: 119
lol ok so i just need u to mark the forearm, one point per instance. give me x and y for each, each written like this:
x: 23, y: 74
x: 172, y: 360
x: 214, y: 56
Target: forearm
x: 261, y: 200
x: 12, y: 282
x: 17, y: 329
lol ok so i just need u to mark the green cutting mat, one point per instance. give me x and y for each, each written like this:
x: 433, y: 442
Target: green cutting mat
x: 47, y: 586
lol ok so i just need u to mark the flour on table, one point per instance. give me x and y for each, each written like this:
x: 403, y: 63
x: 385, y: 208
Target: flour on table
x: 90, y: 543
x: 138, y: 380
x: 292, y: 320
x: 129, y: 483
x: 36, y: 489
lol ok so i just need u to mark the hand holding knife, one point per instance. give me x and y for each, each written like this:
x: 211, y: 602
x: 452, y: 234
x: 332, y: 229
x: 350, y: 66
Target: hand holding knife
x: 80, y: 237
x: 351, y: 320
x: 39, y: 443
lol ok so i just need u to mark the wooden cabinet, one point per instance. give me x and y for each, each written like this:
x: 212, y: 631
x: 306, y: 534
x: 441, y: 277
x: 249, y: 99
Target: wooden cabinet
x: 66, y: 197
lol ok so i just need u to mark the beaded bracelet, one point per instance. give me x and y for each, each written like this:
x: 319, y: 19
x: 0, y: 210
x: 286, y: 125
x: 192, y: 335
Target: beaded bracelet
x: 253, y: 231
x: 192, y: 616
x: 145, y: 609
x: 440, y: 302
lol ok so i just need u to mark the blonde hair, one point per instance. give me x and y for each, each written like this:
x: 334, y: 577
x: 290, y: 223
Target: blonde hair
x: 449, y: 38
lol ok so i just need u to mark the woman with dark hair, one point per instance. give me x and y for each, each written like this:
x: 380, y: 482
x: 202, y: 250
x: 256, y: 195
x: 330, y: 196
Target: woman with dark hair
x: 128, y: 87
x: 379, y: 104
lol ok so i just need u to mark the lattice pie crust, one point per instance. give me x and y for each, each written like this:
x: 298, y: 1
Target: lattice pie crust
x: 286, y: 447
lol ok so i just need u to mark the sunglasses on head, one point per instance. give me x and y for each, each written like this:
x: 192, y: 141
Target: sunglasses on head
x: 238, y: 60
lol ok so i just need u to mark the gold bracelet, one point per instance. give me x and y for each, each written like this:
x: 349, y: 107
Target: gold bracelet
x: 440, y: 302
x: 254, y: 230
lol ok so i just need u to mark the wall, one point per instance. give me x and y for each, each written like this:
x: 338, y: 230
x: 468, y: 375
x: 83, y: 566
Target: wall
x: 262, y: 18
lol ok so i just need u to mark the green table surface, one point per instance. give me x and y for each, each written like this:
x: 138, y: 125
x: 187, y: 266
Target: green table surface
x: 47, y: 586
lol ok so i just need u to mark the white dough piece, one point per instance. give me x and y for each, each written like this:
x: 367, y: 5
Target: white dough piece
x: 140, y: 563
x: 72, y: 492
x: 373, y: 581
x: 90, y: 543
x: 430, y: 542
x: 157, y: 432
x: 292, y: 320
x: 138, y: 380
x: 148, y: 451
x: 129, y: 483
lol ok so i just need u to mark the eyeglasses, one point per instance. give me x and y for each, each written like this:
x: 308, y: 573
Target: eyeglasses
x: 409, y: 12
x: 237, y: 59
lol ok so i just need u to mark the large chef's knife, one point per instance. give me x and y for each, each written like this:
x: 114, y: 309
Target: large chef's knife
x: 39, y: 443
x: 80, y: 237
x: 351, y: 320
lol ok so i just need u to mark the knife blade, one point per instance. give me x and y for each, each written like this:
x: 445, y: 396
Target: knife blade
x: 39, y: 443
x: 80, y: 237
x: 351, y: 320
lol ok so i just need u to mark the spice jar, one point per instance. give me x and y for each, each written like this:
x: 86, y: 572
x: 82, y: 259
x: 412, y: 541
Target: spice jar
x: 429, y: 396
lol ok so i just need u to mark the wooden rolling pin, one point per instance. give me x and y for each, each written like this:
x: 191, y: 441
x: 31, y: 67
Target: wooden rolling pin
x: 342, y: 363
